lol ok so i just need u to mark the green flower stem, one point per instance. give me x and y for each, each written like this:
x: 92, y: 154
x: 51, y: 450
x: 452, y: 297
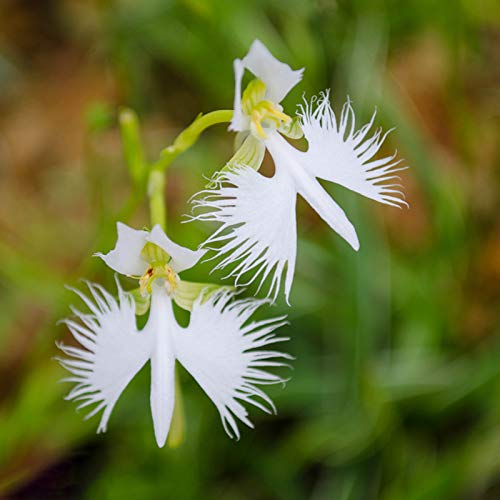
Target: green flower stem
x: 157, y: 180
x: 156, y: 194
x: 190, y: 135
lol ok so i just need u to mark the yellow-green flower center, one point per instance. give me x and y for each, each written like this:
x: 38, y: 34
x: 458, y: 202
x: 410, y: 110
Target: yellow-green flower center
x: 158, y: 271
x: 261, y: 111
x: 165, y: 277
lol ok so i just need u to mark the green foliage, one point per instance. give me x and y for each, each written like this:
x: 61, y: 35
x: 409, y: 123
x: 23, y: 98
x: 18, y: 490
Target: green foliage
x: 394, y: 392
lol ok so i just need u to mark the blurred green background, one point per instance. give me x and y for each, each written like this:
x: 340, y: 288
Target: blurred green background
x: 395, y: 389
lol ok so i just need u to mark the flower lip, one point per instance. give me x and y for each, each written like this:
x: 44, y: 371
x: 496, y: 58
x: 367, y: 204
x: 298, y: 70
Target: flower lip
x: 228, y: 355
x: 256, y: 214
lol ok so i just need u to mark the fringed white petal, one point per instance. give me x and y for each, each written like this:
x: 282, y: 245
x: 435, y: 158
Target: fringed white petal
x: 340, y: 153
x: 219, y: 348
x: 278, y: 77
x: 258, y: 230
x: 125, y: 258
x: 182, y: 258
x: 113, y: 351
x: 221, y: 351
x: 288, y: 159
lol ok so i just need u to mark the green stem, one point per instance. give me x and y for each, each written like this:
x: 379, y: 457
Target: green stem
x: 157, y: 180
x: 190, y: 135
x: 156, y: 193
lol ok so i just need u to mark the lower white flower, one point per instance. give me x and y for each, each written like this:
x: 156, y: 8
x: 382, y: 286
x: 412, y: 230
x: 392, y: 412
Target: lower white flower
x: 219, y: 348
x: 257, y: 214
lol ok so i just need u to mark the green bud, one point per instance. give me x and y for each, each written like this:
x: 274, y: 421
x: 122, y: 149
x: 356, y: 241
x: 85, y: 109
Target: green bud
x: 132, y: 146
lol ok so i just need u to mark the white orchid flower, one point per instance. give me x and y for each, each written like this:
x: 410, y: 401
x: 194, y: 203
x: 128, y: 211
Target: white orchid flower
x: 219, y: 348
x: 257, y: 213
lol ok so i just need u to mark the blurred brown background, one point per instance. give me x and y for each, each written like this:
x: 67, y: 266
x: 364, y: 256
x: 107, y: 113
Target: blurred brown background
x: 395, y: 389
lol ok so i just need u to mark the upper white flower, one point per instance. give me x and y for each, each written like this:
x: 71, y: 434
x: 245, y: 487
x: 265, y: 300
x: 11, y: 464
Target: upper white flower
x: 257, y: 213
x: 274, y: 80
x: 219, y: 348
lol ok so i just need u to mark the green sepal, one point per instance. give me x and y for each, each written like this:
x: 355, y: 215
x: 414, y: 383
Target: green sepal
x: 187, y: 293
x: 292, y: 129
x: 141, y: 302
x: 250, y: 154
x: 239, y: 139
x: 153, y: 254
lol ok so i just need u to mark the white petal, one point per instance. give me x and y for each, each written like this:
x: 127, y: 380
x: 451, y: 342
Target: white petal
x: 239, y: 121
x: 162, y: 325
x: 339, y: 153
x: 219, y: 351
x: 312, y: 191
x: 182, y: 258
x: 114, y: 351
x: 286, y: 157
x: 278, y: 77
x: 258, y: 229
x: 125, y: 258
